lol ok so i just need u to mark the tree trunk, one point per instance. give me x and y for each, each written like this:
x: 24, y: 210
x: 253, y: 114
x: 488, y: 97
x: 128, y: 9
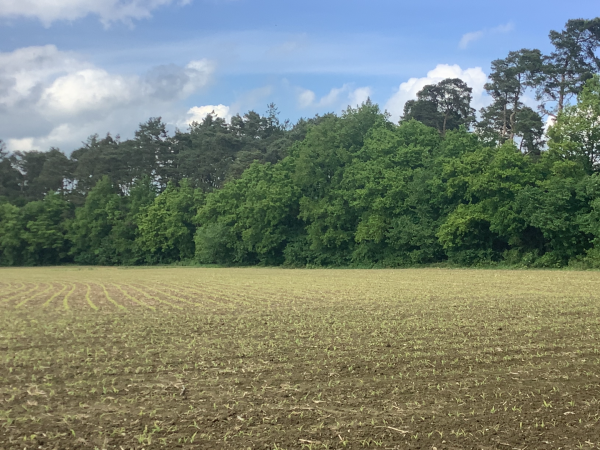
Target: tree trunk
x: 504, y: 121
x: 513, y: 116
x: 444, y: 126
x: 561, y: 96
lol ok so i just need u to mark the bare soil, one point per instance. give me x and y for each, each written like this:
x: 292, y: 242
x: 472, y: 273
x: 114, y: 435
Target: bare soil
x: 276, y: 359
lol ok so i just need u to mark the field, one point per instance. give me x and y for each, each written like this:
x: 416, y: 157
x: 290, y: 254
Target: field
x: 287, y: 359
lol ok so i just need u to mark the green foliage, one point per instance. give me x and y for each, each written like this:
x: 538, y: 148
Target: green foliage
x: 165, y: 228
x: 576, y: 134
x: 91, y: 231
x: 251, y: 219
x: 336, y: 190
x: 507, y: 118
x: 485, y: 184
x: 11, y: 244
x: 444, y: 106
x: 36, y: 233
x: 389, y: 188
x: 44, y: 233
x: 573, y: 61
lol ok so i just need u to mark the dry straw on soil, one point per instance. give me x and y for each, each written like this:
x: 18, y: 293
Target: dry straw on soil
x: 268, y: 358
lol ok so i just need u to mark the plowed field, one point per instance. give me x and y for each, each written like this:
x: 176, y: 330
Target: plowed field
x: 106, y: 358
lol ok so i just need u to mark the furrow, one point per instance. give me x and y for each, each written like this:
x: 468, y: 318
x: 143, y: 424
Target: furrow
x: 19, y: 295
x: 51, y: 286
x: 110, y: 299
x: 133, y: 299
x: 66, y: 298
x: 88, y: 299
x: 47, y: 303
x: 154, y: 297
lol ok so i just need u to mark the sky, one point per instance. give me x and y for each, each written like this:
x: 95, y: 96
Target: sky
x: 72, y: 68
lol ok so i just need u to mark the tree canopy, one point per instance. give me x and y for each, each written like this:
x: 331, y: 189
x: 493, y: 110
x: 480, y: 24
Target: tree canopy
x: 444, y: 185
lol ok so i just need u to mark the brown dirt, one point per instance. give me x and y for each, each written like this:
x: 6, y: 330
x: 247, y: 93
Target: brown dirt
x: 323, y: 359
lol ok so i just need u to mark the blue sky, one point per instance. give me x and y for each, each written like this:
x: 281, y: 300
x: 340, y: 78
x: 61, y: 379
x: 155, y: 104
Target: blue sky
x: 70, y: 68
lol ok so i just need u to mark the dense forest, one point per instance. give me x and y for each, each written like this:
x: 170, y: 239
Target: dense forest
x: 508, y: 184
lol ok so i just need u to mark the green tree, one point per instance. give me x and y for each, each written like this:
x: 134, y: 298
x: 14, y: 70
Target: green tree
x: 529, y: 129
x: 507, y: 118
x: 151, y: 153
x: 250, y: 220
x: 484, y: 185
x: 443, y: 106
x: 589, y: 222
x: 30, y: 165
x: 573, y: 61
x: 553, y: 210
x: 576, y: 134
x: 12, y: 245
x: 90, y: 232
x: 320, y: 163
x: 166, y: 227
x: 124, y: 246
x: 9, y: 175
x: 262, y: 138
x: 205, y: 153
x: 388, y: 188
x: 44, y: 232
x: 97, y: 159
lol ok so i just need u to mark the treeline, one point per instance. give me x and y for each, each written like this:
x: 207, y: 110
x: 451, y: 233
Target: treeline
x: 338, y: 190
x: 207, y: 155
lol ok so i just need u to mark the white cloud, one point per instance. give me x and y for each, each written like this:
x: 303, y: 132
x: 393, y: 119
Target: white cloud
x: 473, y: 36
x: 359, y: 96
x: 48, y: 11
x: 88, y: 90
x: 198, y: 73
x: 198, y: 113
x: 550, y: 122
x: 470, y: 37
x: 335, y: 97
x: 169, y: 82
x: 306, y: 98
x: 95, y: 89
x: 332, y: 97
x: 24, y: 71
x: 53, y: 98
x: 474, y: 77
x: 24, y: 144
x: 61, y: 133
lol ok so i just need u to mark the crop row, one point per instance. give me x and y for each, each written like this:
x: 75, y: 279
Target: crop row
x: 121, y: 296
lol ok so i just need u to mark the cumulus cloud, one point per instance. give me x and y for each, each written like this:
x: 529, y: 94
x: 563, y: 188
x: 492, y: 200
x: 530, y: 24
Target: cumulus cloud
x: 107, y: 10
x: 360, y: 95
x: 332, y: 97
x: 306, y: 98
x: 24, y: 71
x: 198, y: 113
x: 54, y: 98
x: 474, y: 77
x: 473, y: 36
x: 336, y: 97
x: 87, y: 90
x: 171, y: 81
x: 59, y: 134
